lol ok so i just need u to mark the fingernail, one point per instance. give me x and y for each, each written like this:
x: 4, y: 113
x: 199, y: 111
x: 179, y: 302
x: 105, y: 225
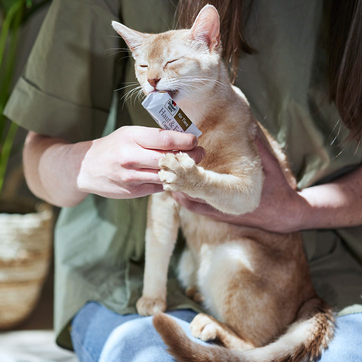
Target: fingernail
x: 195, y: 142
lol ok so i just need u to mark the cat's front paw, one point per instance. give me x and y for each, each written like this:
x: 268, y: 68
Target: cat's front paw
x: 149, y: 306
x: 178, y: 172
x: 205, y: 327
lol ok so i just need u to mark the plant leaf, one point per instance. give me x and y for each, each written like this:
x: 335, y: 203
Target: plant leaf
x: 5, y: 5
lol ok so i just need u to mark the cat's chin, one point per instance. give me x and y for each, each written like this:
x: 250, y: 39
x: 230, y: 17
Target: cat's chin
x: 172, y: 93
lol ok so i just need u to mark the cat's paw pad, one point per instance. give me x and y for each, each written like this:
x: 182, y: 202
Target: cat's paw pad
x: 149, y: 306
x: 177, y: 171
x: 204, y: 328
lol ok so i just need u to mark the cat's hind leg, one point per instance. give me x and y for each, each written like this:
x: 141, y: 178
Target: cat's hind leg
x: 161, y: 234
x: 187, y: 274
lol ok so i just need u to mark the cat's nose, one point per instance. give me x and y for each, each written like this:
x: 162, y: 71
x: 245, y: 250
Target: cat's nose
x: 153, y: 81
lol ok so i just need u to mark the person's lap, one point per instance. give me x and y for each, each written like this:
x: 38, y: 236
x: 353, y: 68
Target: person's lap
x: 99, y: 334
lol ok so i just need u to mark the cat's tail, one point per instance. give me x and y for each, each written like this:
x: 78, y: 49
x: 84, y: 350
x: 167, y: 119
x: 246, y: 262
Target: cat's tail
x: 304, y: 340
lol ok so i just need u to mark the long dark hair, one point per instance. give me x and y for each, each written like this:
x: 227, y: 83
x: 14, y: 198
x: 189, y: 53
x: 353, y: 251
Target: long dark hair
x: 233, y: 16
x: 345, y: 49
x: 346, y: 63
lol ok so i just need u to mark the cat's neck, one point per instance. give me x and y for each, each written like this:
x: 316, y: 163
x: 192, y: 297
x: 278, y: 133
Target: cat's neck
x: 199, y: 107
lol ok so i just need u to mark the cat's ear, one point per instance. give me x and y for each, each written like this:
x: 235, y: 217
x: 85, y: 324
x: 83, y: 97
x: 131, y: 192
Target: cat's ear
x: 206, y: 27
x: 132, y: 37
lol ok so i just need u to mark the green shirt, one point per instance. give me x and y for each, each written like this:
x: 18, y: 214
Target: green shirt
x: 68, y: 91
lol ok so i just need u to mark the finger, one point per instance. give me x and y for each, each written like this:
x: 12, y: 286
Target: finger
x: 145, y: 160
x: 183, y: 195
x: 197, y: 154
x: 269, y: 161
x: 145, y: 190
x: 202, y: 208
x: 149, y: 189
x: 194, y: 206
x: 149, y: 159
x: 160, y: 139
x: 146, y: 177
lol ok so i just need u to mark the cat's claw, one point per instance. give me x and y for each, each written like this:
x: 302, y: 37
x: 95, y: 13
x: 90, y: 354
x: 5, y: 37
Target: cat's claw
x: 204, y: 328
x: 148, y: 306
x: 177, y: 172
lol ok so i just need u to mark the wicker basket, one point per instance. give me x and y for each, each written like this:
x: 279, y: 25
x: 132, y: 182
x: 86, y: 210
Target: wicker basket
x: 25, y: 254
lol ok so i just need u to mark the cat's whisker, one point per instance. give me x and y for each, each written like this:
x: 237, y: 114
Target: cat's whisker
x: 126, y: 57
x: 130, y: 93
x: 138, y: 96
x: 118, y: 51
x: 126, y: 86
x: 192, y: 82
x: 205, y: 79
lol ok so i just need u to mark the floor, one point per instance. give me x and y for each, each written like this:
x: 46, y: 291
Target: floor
x: 33, y: 340
x: 32, y: 346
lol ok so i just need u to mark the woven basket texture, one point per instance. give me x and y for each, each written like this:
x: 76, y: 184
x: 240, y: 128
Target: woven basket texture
x: 25, y: 254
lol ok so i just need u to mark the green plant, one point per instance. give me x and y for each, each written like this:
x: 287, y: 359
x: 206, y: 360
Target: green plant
x: 13, y: 14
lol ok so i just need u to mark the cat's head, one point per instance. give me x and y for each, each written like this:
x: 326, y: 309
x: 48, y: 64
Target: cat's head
x: 184, y: 63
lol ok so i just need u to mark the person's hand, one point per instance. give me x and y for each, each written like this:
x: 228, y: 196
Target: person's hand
x: 124, y: 164
x: 281, y: 208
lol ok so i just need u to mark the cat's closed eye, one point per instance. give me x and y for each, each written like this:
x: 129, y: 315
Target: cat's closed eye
x: 172, y: 61
x: 143, y: 65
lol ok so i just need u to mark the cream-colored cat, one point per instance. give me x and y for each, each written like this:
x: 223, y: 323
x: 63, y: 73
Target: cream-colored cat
x: 255, y: 283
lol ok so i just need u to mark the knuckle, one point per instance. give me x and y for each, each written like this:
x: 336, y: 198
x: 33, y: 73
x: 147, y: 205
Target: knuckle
x: 167, y: 140
x: 126, y: 129
x: 123, y: 131
x: 126, y: 163
x: 127, y: 178
x: 191, y: 141
x: 125, y: 159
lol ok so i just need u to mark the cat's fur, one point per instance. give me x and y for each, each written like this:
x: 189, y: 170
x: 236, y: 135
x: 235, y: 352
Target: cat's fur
x: 255, y: 283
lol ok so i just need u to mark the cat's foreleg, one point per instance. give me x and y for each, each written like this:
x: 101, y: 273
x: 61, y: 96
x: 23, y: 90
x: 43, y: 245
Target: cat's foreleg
x: 161, y: 235
x: 229, y: 193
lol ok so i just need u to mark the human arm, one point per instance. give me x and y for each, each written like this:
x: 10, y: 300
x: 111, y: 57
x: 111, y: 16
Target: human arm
x: 123, y: 164
x: 331, y: 205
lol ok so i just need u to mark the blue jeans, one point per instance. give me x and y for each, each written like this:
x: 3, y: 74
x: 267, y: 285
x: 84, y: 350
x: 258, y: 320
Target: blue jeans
x: 99, y: 334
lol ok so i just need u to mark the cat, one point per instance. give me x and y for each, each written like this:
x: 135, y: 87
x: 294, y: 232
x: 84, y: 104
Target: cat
x: 255, y: 283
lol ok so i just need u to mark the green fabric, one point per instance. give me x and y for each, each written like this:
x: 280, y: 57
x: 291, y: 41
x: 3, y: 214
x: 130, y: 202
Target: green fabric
x: 286, y: 83
x: 67, y: 91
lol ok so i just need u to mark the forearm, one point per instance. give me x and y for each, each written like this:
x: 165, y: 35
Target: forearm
x: 336, y: 204
x: 51, y: 167
x: 121, y: 165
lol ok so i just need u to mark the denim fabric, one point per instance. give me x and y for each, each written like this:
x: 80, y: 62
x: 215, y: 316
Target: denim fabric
x: 99, y: 334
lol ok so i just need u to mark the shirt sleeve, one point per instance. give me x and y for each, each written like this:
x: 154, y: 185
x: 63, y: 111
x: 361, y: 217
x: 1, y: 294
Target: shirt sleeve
x: 70, y: 76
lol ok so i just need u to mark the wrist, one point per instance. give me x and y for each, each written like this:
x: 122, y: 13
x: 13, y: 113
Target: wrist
x: 324, y: 207
x: 64, y: 186
x: 308, y: 217
x: 76, y: 157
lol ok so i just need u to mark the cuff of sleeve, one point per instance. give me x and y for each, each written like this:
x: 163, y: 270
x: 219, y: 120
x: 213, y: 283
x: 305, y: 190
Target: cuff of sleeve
x: 45, y: 114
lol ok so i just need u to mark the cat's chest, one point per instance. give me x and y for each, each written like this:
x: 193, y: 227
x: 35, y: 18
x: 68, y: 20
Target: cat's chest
x: 221, y: 156
x: 199, y: 229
